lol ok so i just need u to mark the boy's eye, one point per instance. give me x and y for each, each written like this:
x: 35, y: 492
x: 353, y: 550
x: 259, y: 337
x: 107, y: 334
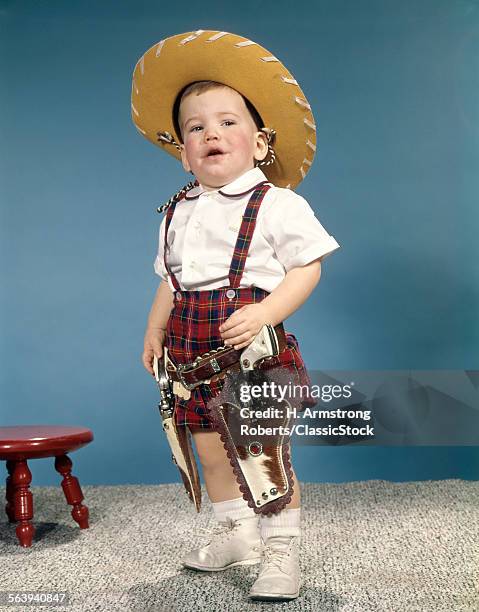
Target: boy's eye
x: 197, y: 128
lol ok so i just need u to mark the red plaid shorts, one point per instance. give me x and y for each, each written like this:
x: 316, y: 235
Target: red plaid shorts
x: 193, y: 329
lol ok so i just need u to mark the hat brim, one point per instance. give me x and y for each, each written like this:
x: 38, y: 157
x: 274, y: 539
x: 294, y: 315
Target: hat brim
x: 207, y: 55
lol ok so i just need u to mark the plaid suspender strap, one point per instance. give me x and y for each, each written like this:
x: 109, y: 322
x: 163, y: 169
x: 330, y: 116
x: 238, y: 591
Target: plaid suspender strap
x: 245, y: 235
x: 169, y: 215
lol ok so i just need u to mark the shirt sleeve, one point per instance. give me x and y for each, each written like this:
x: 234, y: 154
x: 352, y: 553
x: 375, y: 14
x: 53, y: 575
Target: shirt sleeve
x: 296, y: 235
x: 159, y: 263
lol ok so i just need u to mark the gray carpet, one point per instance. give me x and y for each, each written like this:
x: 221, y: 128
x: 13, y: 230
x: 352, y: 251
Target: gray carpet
x: 367, y: 546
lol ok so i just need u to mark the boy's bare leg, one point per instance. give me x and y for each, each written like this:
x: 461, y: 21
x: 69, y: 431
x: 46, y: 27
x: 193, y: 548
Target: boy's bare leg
x: 220, y: 480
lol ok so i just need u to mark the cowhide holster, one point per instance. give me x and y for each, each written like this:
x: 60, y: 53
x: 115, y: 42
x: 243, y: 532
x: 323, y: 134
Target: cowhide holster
x: 261, y: 462
x: 178, y: 437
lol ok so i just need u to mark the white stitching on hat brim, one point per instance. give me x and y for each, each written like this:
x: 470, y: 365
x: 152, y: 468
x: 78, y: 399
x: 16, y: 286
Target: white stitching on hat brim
x: 216, y: 36
x: 191, y: 37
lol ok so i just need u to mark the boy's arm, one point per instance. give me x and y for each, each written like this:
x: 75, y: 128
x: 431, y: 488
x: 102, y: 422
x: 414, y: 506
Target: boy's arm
x: 292, y: 292
x: 161, y: 307
x: 243, y: 325
x: 156, y: 326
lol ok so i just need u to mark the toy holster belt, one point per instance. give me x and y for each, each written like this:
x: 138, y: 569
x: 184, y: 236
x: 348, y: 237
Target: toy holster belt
x: 205, y: 367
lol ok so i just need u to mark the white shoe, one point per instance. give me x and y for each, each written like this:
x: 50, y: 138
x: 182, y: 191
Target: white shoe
x: 279, y: 576
x: 235, y: 542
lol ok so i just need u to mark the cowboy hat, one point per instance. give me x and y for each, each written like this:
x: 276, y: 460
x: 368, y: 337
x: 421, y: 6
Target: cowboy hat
x: 167, y: 67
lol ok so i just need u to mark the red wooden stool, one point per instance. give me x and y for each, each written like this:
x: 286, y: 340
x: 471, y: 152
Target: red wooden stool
x: 19, y: 443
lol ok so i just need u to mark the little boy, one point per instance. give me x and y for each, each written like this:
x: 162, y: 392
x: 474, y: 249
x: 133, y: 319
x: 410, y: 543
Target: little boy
x: 237, y: 250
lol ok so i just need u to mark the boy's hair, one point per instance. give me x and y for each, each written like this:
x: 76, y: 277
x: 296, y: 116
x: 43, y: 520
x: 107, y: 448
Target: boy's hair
x: 199, y: 87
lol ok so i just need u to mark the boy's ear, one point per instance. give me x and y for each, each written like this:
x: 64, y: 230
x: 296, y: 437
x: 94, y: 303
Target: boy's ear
x: 261, y: 148
x: 184, y: 161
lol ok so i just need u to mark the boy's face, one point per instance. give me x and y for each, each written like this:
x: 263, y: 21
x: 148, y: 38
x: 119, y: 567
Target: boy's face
x: 221, y: 140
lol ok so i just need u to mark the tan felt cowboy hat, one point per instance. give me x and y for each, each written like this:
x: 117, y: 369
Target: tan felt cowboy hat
x: 207, y: 55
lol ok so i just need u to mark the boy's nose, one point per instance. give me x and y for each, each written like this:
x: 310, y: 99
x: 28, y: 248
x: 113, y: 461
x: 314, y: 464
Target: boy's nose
x: 211, y: 134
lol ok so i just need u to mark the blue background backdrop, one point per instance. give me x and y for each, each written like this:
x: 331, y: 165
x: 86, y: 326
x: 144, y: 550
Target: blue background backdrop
x: 394, y: 88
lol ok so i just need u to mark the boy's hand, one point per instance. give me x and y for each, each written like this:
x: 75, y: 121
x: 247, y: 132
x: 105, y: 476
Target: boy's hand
x: 153, y: 345
x: 241, y: 328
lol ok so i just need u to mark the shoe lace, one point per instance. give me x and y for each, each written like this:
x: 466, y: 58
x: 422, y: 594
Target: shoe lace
x: 272, y: 555
x: 218, y: 533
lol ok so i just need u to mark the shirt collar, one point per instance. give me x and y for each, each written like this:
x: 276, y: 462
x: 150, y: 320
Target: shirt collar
x: 240, y: 186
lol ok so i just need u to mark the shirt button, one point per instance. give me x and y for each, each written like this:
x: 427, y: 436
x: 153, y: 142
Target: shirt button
x: 230, y: 294
x: 178, y: 296
x: 192, y: 264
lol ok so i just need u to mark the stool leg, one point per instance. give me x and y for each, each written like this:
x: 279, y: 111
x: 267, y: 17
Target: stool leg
x: 10, y: 506
x: 72, y: 490
x: 23, y: 502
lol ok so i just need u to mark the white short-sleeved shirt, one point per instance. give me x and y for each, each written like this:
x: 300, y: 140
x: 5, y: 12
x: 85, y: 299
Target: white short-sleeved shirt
x: 204, y: 228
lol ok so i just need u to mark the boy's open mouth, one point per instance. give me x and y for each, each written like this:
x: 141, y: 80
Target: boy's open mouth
x: 214, y: 153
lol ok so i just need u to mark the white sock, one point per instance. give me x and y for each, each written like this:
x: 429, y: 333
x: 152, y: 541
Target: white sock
x: 234, y: 508
x: 285, y: 523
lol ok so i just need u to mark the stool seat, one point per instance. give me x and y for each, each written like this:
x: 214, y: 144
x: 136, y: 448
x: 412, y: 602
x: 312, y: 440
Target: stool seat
x: 36, y: 441
x: 18, y: 443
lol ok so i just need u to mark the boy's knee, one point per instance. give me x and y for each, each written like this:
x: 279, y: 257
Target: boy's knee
x: 210, y: 451
x: 212, y: 460
x: 210, y: 464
